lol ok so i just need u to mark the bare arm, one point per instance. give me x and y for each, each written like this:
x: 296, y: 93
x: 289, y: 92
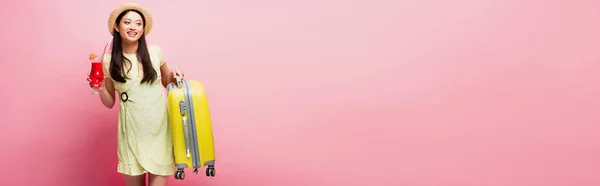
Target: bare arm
x: 107, y: 93
x: 166, y: 76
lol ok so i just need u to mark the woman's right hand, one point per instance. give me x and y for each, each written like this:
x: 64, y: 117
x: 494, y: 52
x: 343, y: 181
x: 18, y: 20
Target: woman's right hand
x: 101, y: 87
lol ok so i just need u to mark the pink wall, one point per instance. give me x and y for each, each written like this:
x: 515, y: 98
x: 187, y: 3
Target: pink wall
x: 354, y: 92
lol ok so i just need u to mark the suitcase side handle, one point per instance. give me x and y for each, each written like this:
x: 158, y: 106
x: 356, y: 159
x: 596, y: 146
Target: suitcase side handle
x: 178, y: 80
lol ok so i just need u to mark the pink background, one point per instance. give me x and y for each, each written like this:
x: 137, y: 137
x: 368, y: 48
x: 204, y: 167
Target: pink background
x: 324, y: 92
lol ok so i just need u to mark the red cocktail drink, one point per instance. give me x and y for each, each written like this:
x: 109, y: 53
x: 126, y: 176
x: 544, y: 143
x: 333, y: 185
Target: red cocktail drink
x: 96, y: 75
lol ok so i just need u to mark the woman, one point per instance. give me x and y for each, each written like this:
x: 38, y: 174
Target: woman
x: 136, y: 75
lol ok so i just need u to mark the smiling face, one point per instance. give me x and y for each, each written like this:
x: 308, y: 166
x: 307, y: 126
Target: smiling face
x: 130, y: 27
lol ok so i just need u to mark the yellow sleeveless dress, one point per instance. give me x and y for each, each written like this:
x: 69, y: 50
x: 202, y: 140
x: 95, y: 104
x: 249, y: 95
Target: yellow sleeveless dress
x: 144, y: 137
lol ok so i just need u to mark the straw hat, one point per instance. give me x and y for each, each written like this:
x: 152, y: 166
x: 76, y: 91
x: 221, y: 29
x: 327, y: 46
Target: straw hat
x: 129, y: 6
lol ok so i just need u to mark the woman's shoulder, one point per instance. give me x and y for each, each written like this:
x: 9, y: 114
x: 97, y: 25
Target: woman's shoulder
x: 106, y: 58
x: 157, y: 54
x: 154, y: 49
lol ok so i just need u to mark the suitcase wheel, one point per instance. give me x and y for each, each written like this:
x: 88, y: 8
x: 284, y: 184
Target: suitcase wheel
x: 210, y: 171
x: 180, y: 175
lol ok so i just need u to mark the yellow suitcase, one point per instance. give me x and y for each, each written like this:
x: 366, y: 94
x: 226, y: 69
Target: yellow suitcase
x: 191, y: 127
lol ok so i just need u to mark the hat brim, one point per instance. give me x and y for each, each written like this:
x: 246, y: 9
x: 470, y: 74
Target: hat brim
x: 129, y: 6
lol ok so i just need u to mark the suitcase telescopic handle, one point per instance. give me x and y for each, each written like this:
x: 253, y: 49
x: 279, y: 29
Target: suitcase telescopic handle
x: 184, y: 122
x: 186, y: 137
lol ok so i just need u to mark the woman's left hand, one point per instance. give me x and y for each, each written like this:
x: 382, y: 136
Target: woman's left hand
x: 176, y: 71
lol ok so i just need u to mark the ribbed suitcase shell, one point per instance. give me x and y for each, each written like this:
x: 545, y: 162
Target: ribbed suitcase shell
x: 191, y: 127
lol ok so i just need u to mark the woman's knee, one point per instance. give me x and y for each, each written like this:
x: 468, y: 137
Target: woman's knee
x: 157, y: 180
x: 139, y: 180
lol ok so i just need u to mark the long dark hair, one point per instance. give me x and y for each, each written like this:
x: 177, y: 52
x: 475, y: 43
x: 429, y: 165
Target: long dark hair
x: 116, y: 62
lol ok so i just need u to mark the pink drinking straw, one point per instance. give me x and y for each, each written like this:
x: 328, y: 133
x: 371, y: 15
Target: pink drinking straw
x: 105, y: 47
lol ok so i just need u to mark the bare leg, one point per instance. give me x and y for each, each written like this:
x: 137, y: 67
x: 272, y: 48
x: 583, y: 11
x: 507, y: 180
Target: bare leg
x: 156, y: 180
x: 135, y: 180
